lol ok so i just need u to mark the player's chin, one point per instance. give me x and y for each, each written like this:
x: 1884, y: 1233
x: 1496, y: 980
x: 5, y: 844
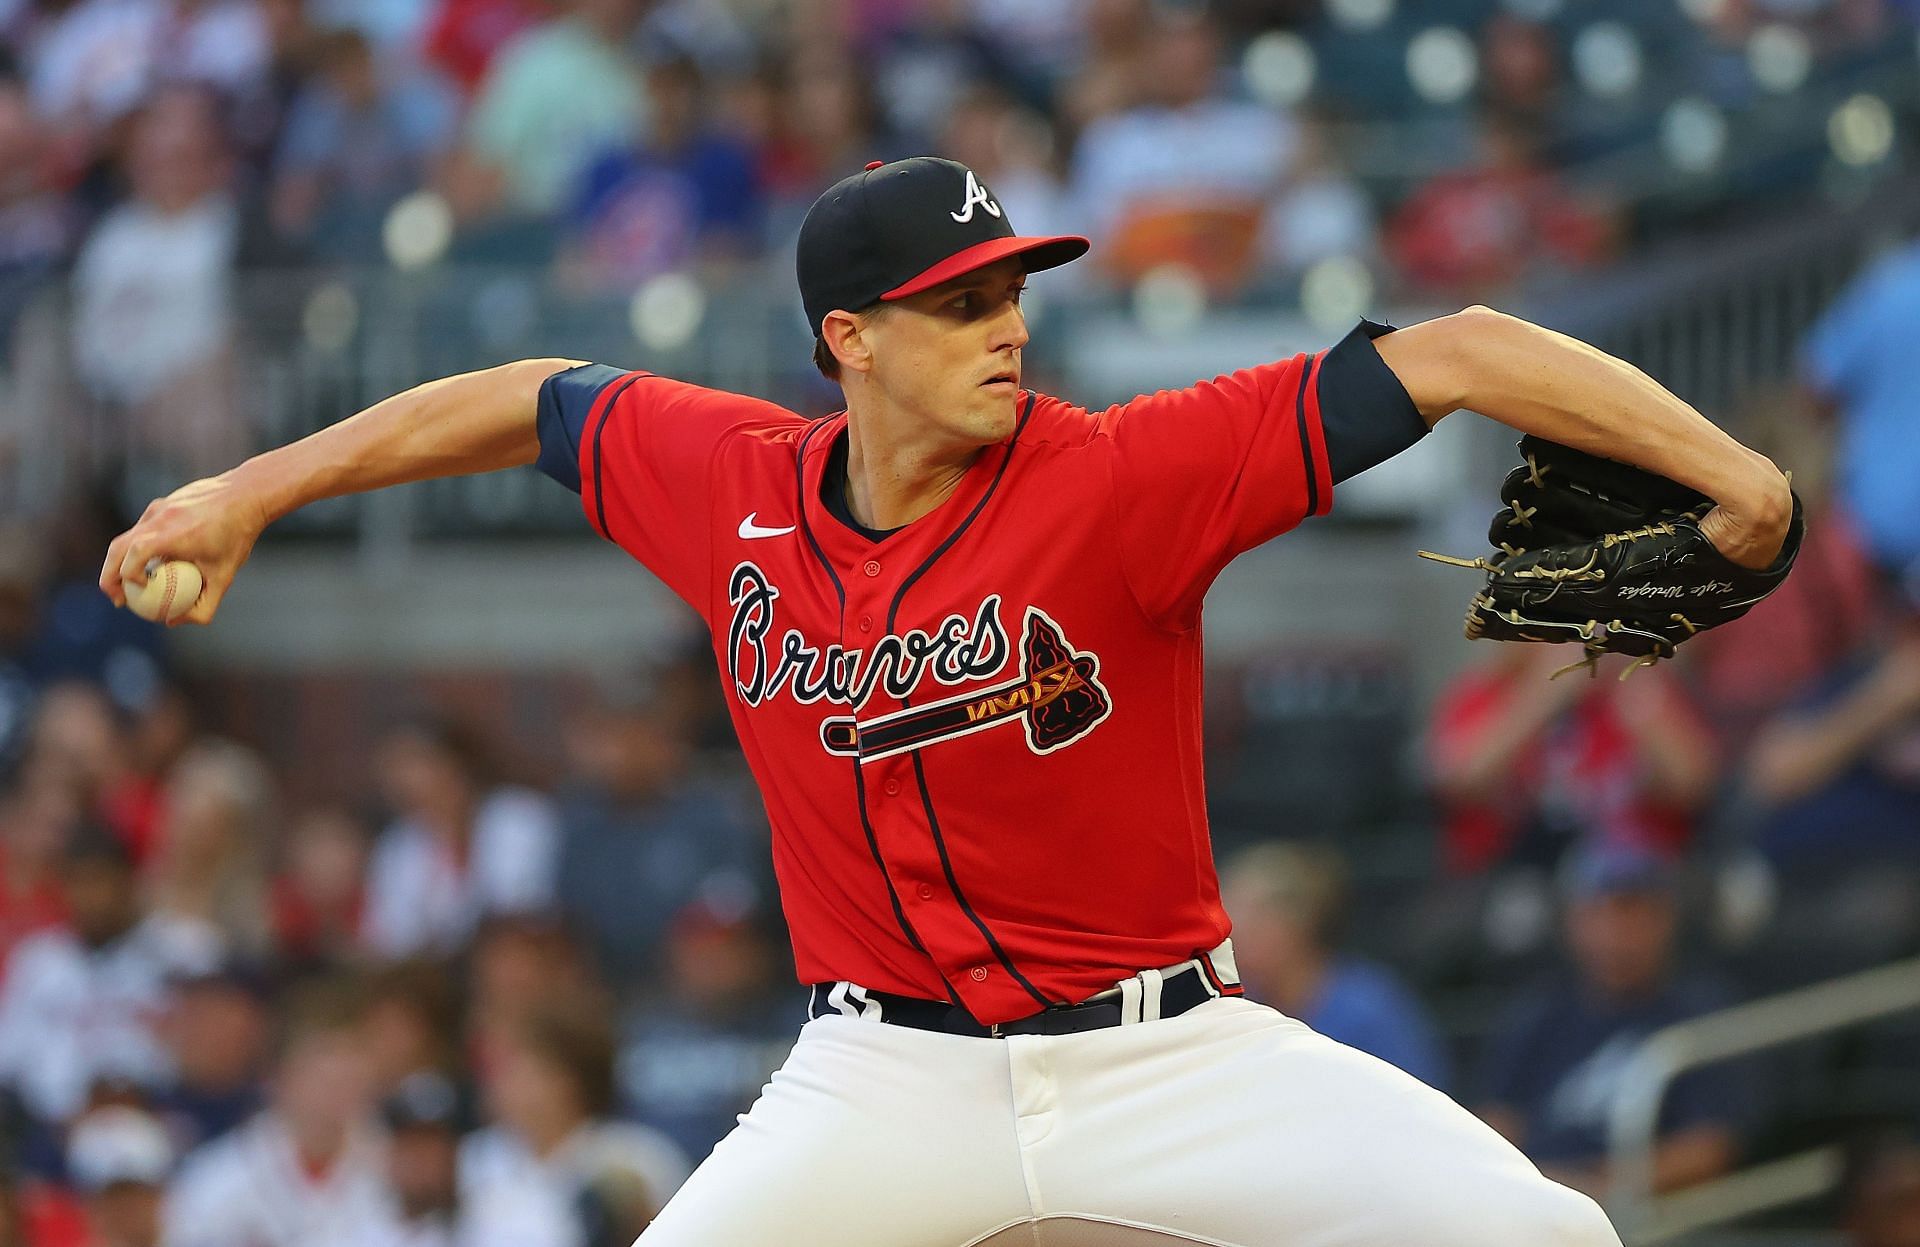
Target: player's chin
x: 995, y: 411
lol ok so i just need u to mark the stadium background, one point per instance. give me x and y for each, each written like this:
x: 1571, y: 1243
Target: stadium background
x: 436, y: 849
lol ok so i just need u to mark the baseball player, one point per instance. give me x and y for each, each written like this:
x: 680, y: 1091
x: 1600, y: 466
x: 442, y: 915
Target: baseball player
x: 959, y: 625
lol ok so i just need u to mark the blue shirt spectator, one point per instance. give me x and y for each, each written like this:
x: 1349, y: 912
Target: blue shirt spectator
x: 640, y: 839
x: 1361, y: 1004
x: 1860, y: 356
x: 1554, y: 1066
x: 688, y: 193
x: 1285, y: 900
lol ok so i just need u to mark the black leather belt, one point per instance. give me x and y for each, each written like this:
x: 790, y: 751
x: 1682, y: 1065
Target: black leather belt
x: 1180, y: 990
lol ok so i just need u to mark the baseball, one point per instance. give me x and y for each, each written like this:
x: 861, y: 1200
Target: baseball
x: 170, y: 592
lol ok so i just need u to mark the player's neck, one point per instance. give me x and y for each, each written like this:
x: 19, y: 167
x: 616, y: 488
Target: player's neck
x: 892, y: 480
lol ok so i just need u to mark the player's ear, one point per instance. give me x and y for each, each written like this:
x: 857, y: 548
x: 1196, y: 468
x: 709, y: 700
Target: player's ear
x: 845, y: 335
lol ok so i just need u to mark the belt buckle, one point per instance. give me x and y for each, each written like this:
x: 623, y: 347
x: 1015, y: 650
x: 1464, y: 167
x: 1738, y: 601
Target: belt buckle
x: 993, y: 1032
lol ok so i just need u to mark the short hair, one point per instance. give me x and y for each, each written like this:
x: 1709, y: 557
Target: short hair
x: 1306, y: 881
x: 319, y: 1007
x: 574, y: 1034
x: 823, y: 354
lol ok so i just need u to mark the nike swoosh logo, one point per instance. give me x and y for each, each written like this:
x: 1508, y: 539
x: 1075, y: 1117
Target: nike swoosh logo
x: 749, y: 530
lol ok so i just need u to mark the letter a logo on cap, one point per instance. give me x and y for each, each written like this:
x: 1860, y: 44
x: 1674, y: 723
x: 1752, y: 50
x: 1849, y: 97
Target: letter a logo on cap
x: 976, y: 194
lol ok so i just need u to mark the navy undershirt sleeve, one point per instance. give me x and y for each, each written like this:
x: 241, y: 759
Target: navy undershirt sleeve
x: 1366, y: 416
x: 565, y: 399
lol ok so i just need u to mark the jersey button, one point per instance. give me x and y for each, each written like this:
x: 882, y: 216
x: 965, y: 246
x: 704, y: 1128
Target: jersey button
x: 872, y: 568
x: 926, y: 891
x: 866, y: 623
x: 978, y: 974
x: 893, y: 788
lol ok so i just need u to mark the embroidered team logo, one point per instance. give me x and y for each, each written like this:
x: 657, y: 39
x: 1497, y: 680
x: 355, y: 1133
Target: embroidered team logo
x: 1057, y: 699
x: 976, y: 196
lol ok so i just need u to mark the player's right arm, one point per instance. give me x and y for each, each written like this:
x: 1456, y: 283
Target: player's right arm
x: 471, y: 423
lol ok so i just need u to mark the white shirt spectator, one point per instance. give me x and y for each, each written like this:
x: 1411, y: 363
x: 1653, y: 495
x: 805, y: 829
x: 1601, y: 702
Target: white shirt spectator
x: 154, y: 301
x: 70, y: 1014
x: 511, y: 1198
x: 249, y: 1188
x: 421, y: 900
x: 1168, y: 158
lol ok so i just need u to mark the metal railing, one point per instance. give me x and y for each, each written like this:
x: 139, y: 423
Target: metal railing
x: 1645, y: 1218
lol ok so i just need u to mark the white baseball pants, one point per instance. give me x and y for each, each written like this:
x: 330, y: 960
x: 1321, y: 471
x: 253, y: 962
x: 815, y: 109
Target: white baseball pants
x: 1230, y: 1125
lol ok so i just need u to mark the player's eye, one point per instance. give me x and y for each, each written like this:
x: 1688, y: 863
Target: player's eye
x: 963, y: 302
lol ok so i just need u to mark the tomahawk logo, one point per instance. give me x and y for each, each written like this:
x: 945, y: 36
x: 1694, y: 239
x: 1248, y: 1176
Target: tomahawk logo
x: 976, y: 194
x: 1056, y: 699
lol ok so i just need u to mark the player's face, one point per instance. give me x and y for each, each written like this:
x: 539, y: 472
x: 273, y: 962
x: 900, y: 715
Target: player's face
x: 951, y: 355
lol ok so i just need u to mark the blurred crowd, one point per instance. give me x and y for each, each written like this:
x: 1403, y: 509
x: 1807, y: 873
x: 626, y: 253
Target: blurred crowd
x: 464, y: 1000
x: 1452, y: 151
x: 459, y: 998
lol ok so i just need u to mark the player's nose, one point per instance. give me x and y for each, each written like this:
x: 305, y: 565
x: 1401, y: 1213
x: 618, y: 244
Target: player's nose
x: 1010, y: 329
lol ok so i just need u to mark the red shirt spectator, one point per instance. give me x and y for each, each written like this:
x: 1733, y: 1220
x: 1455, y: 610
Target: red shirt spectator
x: 1525, y: 765
x: 464, y: 35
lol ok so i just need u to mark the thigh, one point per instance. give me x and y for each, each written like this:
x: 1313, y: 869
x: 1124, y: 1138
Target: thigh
x: 1240, y: 1126
x: 868, y: 1136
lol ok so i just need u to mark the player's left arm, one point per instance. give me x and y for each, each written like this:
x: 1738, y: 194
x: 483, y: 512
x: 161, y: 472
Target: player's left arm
x: 1559, y: 388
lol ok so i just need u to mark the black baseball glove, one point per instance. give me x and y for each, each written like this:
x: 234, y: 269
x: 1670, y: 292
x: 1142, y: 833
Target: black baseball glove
x: 1608, y: 555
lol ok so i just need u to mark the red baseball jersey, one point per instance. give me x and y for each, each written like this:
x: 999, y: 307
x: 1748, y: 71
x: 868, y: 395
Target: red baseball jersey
x: 977, y: 737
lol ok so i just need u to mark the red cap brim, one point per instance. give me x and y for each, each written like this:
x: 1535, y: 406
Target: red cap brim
x: 1042, y: 253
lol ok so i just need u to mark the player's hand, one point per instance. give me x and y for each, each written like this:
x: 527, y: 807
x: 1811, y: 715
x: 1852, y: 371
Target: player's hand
x: 211, y: 523
x: 1750, y: 530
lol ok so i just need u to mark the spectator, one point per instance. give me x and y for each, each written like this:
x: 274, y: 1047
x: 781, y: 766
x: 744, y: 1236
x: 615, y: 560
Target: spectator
x: 1858, y: 361
x: 825, y: 122
x: 1012, y: 151
x: 217, y: 1029
x: 1553, y: 1065
x: 462, y: 846
x: 37, y: 819
x: 1287, y: 901
x: 412, y: 1022
x: 120, y: 1159
x: 1480, y: 231
x: 525, y: 1180
x: 77, y: 742
x: 686, y: 195
x: 92, y: 62
x: 1524, y: 764
x: 36, y: 223
x: 695, y: 1056
x: 1835, y: 780
x: 553, y: 98
x: 153, y: 322
x: 1183, y: 176
x: 516, y: 967
x: 209, y: 868
x: 640, y: 838
x: 356, y: 141
x: 310, y: 1169
x: 464, y: 36
x: 319, y: 896
x: 1115, y: 63
x: 423, y: 1119
x: 81, y: 1000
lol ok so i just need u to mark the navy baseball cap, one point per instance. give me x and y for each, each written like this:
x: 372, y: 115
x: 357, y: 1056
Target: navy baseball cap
x: 895, y: 229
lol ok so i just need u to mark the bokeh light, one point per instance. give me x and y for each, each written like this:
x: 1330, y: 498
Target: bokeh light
x: 330, y: 318
x: 1693, y: 135
x: 1279, y: 67
x: 1169, y: 301
x: 418, y: 230
x: 1607, y: 60
x: 667, y: 311
x: 1779, y: 57
x: 1861, y: 130
x: 1442, y: 64
x: 1336, y: 291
